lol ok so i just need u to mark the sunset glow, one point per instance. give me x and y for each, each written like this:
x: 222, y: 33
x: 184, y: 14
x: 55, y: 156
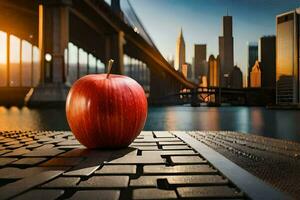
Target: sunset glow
x: 3, y: 53
x: 14, y: 58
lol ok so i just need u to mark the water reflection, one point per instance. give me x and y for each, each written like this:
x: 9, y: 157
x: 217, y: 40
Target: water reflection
x: 14, y: 118
x: 211, y: 122
x: 256, y: 120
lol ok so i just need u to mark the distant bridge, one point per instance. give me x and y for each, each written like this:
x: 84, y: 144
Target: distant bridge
x: 217, y: 96
x: 79, y: 37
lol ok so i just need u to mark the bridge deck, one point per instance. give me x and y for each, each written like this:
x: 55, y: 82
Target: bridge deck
x: 157, y: 165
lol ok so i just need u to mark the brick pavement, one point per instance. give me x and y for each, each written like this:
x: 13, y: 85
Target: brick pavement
x: 157, y: 165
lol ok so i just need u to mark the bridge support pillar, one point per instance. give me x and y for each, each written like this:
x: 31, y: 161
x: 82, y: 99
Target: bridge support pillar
x: 53, y: 40
x: 115, y: 4
x: 195, y: 100
x: 115, y: 51
x: 218, y: 97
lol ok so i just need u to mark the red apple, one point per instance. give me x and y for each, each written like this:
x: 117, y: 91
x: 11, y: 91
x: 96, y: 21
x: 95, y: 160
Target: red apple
x: 106, y: 111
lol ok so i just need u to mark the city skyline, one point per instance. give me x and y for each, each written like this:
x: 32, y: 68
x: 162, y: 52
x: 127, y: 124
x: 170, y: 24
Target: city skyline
x: 201, y: 22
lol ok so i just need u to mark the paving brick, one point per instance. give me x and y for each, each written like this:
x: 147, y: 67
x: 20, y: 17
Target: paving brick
x: 151, y: 181
x: 15, y: 146
x: 187, y: 159
x: 150, y: 139
x: 105, y: 182
x: 83, y: 152
x: 146, y: 181
x: 71, y: 137
x: 6, y: 161
x: 56, y: 140
x: 148, y: 136
x: 197, y: 179
x: 62, y: 162
x: 117, y: 169
x: 176, y: 147
x: 12, y: 143
x: 26, y: 139
x: 40, y: 194
x: 32, y: 146
x: 75, y: 153
x: 17, y: 152
x: 6, y: 140
x: 68, y: 142
x: 44, y: 139
x: 208, y: 192
x: 149, y: 159
x: 146, y: 133
x: 12, y: 189
x: 129, y: 151
x: 178, y: 169
x: 153, y: 193
x: 171, y: 152
x: 144, y: 144
x: 145, y: 148
x: 43, y: 152
x: 29, y: 161
x: 15, y: 173
x: 30, y: 142
x: 71, y: 147
x: 4, y: 151
x: 168, y: 139
x: 143, y: 140
x: 96, y: 195
x: 62, y: 182
x: 45, y: 146
x: 172, y: 143
x: 81, y: 171
x: 86, y: 168
x: 163, y: 134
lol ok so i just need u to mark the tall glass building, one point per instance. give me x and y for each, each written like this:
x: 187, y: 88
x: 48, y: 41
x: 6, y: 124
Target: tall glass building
x: 287, y: 57
x: 267, y: 59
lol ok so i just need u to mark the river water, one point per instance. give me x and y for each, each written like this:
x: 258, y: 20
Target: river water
x: 283, y: 124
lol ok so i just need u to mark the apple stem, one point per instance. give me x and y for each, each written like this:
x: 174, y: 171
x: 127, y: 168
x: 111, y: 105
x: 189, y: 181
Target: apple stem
x: 110, y: 63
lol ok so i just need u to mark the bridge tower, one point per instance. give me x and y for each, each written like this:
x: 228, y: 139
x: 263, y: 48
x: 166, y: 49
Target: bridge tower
x: 117, y: 42
x: 116, y: 7
x: 115, y: 51
x: 53, y: 38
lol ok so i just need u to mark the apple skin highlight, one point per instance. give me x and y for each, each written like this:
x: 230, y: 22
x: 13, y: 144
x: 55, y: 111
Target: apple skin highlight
x: 106, y: 112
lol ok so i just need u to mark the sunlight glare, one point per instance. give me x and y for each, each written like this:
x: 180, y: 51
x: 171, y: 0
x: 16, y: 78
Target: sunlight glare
x: 3, y: 44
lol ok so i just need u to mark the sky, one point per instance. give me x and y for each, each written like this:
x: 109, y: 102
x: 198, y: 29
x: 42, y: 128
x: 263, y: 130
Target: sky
x: 201, y: 21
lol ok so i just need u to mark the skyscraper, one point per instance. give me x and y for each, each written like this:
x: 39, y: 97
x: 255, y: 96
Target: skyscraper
x: 186, y: 70
x: 236, y: 78
x: 226, y: 50
x: 252, y: 58
x: 200, y: 69
x: 255, y: 76
x: 267, y: 59
x: 213, y: 71
x: 287, y: 57
x: 180, y: 52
